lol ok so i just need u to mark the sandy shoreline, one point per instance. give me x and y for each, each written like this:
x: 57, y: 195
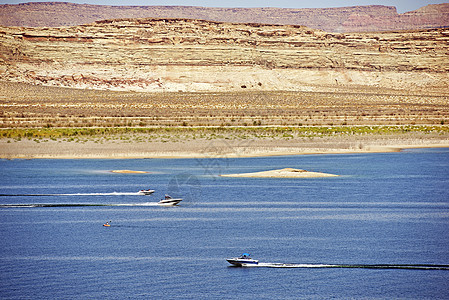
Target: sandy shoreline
x: 113, y: 149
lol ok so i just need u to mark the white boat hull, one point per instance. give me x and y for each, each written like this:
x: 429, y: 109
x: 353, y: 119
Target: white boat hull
x: 169, y: 202
x: 243, y: 262
x: 146, y: 192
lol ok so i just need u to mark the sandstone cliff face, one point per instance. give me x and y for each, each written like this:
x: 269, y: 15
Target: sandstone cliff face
x: 197, y: 55
x: 343, y: 19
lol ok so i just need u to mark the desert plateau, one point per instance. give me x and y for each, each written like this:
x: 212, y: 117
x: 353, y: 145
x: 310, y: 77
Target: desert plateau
x: 178, y: 86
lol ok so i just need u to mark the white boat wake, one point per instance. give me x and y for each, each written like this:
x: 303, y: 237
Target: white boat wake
x: 101, y: 194
x: 19, y: 205
x: 74, y: 194
x: 355, y: 266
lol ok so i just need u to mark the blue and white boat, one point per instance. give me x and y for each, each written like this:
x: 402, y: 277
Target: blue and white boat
x: 169, y: 201
x: 243, y: 261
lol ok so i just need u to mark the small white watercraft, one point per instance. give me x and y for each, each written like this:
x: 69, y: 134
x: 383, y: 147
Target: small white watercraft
x: 169, y: 201
x: 243, y: 261
x: 146, y: 192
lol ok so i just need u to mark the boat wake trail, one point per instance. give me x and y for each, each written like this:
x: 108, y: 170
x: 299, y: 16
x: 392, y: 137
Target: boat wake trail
x: 73, y: 194
x: 362, y: 266
x: 24, y: 205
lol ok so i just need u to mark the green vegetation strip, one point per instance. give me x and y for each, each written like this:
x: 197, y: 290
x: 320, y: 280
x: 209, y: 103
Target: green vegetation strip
x: 220, y: 132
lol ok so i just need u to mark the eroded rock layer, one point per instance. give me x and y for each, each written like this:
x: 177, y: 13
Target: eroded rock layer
x: 197, y: 55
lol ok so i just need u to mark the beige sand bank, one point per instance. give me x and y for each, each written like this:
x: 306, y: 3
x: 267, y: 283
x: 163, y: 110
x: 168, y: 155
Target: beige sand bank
x: 221, y: 148
x: 282, y: 173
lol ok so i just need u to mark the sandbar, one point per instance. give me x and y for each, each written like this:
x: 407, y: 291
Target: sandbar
x: 282, y: 173
x: 128, y: 172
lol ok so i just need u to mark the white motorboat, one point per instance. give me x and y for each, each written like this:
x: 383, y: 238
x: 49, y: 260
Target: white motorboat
x: 146, y: 192
x: 243, y: 261
x: 169, y: 201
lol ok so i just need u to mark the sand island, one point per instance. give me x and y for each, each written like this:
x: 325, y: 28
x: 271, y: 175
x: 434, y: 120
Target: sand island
x: 282, y: 173
x: 129, y: 172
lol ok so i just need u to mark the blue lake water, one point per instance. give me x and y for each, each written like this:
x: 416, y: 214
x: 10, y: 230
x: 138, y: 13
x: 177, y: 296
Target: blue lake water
x: 390, y: 209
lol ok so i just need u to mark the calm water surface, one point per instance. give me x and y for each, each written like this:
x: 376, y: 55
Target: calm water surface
x: 385, y: 209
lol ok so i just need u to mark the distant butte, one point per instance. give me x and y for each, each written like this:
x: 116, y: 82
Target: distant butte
x: 341, y: 19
